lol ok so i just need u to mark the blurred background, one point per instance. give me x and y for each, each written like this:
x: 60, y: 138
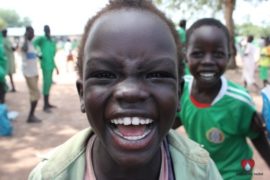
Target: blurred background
x: 29, y: 142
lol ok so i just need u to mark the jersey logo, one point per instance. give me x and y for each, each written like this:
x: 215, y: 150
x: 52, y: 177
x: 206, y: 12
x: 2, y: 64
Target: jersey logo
x: 215, y: 135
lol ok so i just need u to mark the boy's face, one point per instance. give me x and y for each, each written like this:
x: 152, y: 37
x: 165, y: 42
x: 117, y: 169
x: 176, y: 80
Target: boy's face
x: 129, y: 86
x: 207, y: 54
x: 30, y: 34
x: 47, y: 30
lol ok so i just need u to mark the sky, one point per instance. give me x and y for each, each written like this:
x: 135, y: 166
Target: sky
x: 61, y: 15
x: 70, y: 16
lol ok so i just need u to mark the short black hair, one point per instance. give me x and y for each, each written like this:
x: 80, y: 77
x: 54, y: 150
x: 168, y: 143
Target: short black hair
x: 28, y: 28
x: 183, y: 23
x: 129, y: 4
x: 4, y: 32
x: 209, y: 22
x: 250, y: 38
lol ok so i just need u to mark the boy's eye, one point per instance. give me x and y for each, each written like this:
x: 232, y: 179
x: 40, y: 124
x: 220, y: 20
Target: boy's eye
x: 197, y: 54
x: 159, y: 74
x: 219, y: 54
x: 103, y: 75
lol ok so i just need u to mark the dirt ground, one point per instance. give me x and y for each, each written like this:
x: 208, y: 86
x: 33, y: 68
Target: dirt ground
x: 19, y: 153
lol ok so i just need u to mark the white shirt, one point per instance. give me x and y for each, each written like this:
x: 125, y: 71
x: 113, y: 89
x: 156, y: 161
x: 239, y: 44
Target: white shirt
x: 29, y: 61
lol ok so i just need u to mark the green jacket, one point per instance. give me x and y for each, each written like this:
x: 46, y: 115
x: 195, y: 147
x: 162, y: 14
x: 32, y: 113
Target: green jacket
x: 67, y: 161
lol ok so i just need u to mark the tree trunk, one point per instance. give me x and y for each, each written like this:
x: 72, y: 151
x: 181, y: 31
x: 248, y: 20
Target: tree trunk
x: 228, y: 15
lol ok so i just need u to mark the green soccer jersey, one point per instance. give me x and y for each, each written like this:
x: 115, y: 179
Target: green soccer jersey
x: 222, y: 127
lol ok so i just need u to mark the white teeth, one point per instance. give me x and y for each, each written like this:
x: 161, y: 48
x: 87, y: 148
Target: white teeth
x: 207, y: 75
x: 131, y: 120
x: 133, y: 138
x: 135, y: 121
x: 127, y: 121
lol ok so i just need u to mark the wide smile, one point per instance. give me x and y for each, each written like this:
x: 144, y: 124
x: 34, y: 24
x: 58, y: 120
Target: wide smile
x: 208, y: 76
x: 132, y: 132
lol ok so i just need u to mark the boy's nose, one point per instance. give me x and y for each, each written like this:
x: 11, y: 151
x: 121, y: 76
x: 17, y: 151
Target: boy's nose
x: 130, y: 91
x: 208, y: 59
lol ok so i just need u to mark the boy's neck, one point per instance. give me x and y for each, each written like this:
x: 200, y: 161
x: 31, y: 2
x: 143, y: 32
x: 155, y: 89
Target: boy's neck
x: 106, y: 168
x: 205, y: 94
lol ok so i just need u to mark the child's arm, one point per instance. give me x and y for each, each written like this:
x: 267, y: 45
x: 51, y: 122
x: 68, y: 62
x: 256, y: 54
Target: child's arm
x: 25, y: 46
x: 261, y: 143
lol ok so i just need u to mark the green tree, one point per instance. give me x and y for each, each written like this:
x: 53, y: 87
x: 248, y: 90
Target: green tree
x: 249, y: 28
x: 3, y: 23
x: 227, y: 6
x: 12, y: 19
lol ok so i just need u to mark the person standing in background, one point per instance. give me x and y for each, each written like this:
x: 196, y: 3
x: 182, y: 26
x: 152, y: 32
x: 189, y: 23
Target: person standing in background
x: 264, y: 62
x: 182, y: 37
x: 249, y: 63
x: 9, y: 50
x: 48, y: 50
x: 30, y: 72
x: 3, y: 65
x: 182, y: 31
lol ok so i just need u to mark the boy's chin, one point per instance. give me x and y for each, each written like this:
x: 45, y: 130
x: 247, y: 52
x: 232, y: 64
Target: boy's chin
x: 126, y: 149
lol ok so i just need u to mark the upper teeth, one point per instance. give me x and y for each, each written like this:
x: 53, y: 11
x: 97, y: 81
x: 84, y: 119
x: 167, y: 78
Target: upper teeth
x: 131, y: 120
x: 207, y: 74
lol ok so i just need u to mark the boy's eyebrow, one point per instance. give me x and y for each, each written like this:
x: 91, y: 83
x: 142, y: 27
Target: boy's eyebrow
x: 103, y: 61
x: 147, y: 63
x: 159, y: 61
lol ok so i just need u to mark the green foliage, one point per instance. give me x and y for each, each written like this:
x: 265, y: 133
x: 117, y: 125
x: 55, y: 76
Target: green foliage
x: 3, y: 23
x: 251, y: 29
x: 12, y: 19
x: 192, y: 4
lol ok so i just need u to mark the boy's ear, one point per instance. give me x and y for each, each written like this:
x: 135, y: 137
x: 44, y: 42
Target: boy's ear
x: 79, y: 85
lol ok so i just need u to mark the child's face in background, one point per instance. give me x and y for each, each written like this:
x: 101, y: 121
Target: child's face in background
x: 30, y: 34
x: 207, y: 54
x: 130, y: 83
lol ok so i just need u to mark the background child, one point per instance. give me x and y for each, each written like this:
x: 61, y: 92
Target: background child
x: 47, y: 47
x: 215, y: 112
x: 264, y: 62
x: 128, y: 87
x: 249, y: 63
x: 182, y: 31
x: 30, y: 72
x: 9, y: 51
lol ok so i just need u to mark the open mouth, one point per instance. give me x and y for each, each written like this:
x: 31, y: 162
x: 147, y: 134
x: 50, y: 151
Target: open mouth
x: 132, y: 128
x: 207, y: 75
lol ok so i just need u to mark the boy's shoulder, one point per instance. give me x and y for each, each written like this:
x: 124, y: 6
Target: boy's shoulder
x: 190, y: 160
x: 55, y: 163
x: 239, y: 93
x: 181, y: 145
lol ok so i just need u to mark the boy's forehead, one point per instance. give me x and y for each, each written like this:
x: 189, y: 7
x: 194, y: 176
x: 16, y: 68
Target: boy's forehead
x: 127, y: 20
x: 130, y: 30
x: 208, y: 30
x: 125, y: 15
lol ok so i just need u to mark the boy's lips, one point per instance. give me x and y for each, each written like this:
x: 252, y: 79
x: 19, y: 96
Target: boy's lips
x: 207, y: 75
x: 132, y: 132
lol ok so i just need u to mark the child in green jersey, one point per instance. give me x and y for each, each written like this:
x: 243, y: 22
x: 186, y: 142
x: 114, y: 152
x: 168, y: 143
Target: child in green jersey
x: 216, y: 112
x: 128, y: 87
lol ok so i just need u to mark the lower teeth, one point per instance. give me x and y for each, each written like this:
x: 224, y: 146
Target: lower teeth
x: 132, y: 137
